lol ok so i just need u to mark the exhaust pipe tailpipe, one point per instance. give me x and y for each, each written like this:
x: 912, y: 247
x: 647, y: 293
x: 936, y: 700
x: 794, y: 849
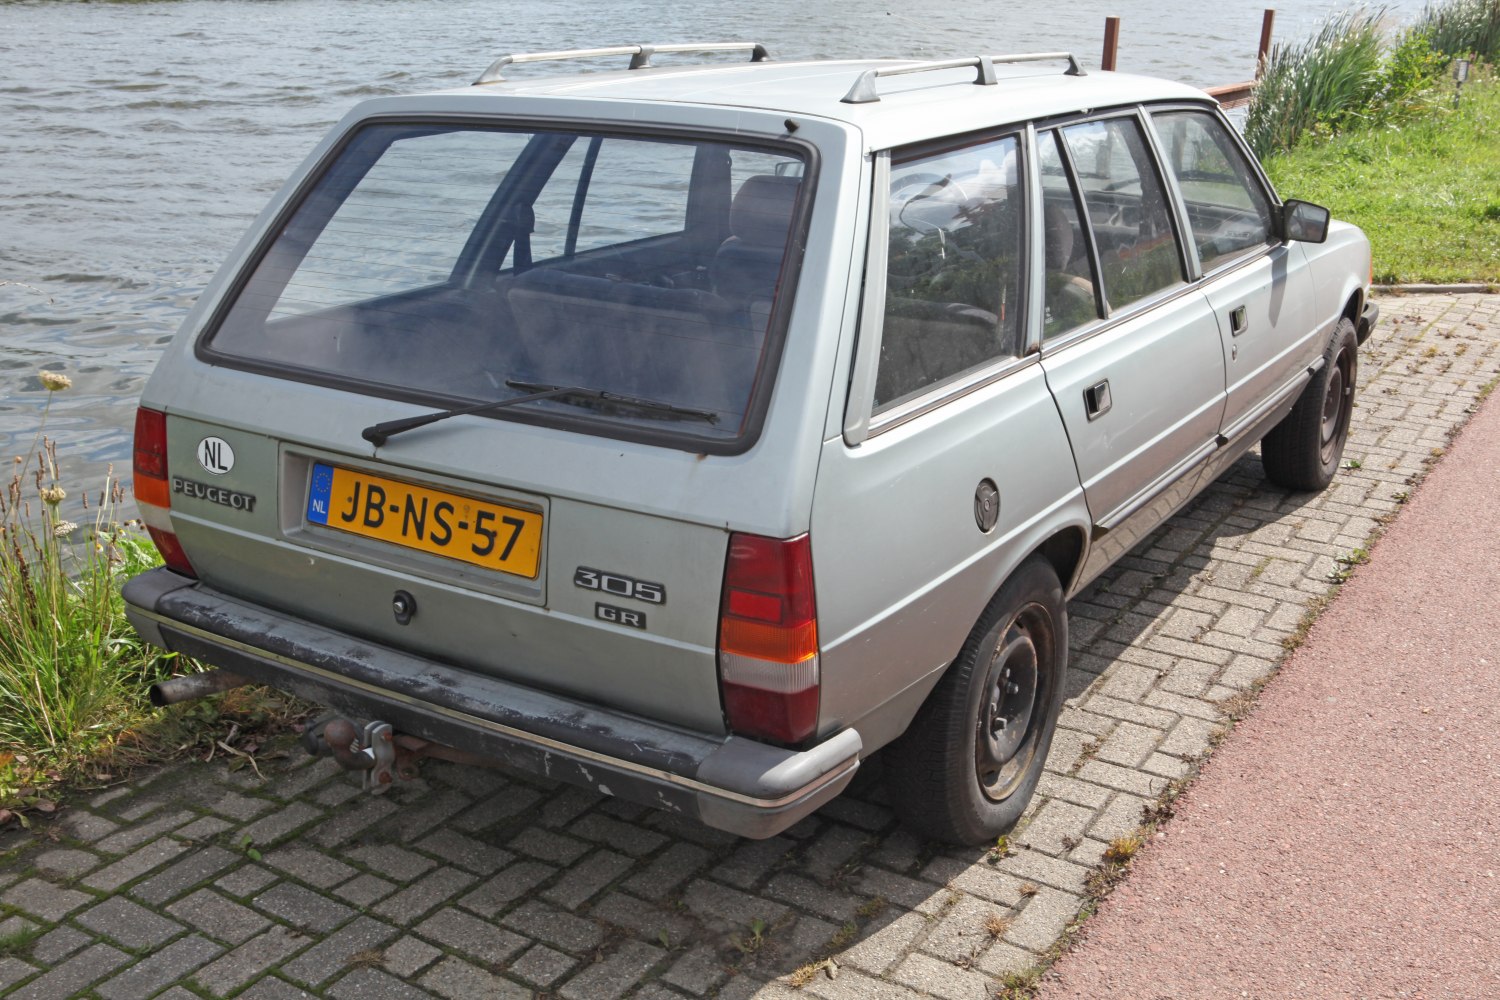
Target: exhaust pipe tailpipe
x: 190, y: 687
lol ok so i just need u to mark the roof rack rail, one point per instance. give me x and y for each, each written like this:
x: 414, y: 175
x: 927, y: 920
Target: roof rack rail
x: 640, y: 55
x: 865, y: 92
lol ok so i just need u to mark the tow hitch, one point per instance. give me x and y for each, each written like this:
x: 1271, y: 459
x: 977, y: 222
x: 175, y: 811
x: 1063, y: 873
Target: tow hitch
x: 378, y: 752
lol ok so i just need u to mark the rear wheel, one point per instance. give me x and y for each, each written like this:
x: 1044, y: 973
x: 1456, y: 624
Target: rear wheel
x: 967, y: 766
x: 1303, y: 451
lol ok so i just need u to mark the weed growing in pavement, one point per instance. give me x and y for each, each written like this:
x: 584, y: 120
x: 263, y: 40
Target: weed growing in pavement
x: 996, y: 925
x: 1000, y: 851
x: 1346, y: 564
x: 18, y: 944
x: 1122, y: 849
x: 1299, y: 634
x: 756, y: 940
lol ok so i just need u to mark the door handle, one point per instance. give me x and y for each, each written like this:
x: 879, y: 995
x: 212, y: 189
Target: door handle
x: 1239, y: 322
x: 1096, y: 400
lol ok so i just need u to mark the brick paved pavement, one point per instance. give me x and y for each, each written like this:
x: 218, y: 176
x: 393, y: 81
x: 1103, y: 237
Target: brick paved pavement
x: 202, y: 881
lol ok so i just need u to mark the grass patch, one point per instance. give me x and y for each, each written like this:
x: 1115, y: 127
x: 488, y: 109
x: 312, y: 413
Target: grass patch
x: 1426, y: 192
x: 73, y: 672
x: 1364, y: 121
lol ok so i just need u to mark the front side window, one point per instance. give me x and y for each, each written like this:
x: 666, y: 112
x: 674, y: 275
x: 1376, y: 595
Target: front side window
x: 954, y: 268
x: 1227, y: 207
x: 482, y: 263
x: 1127, y: 209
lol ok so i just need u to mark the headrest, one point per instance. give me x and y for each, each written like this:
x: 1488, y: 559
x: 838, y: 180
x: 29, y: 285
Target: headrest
x: 762, y: 209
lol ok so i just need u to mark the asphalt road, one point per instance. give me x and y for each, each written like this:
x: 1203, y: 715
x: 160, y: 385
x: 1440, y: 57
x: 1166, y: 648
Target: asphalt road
x: 1345, y: 840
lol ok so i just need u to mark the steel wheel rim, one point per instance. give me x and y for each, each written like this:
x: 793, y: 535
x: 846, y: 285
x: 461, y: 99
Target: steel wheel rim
x: 1016, y: 687
x: 1335, y: 409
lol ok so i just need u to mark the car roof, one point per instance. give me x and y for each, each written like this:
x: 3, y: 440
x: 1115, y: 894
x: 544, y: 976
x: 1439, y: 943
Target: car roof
x: 942, y: 101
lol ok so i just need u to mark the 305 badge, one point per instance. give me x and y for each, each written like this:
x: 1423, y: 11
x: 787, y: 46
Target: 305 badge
x: 492, y: 535
x: 619, y: 585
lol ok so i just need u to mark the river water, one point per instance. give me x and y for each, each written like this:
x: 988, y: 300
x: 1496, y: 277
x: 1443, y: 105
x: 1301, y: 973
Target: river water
x: 138, y: 140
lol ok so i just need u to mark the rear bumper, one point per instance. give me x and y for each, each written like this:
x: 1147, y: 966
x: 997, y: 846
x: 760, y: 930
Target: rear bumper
x: 730, y: 783
x: 1367, y: 320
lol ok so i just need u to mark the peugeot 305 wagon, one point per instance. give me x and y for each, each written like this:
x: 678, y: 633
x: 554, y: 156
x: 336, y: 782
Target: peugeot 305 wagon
x: 690, y: 433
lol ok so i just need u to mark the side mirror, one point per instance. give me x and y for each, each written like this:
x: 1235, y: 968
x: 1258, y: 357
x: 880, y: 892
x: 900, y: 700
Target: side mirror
x: 1303, y: 221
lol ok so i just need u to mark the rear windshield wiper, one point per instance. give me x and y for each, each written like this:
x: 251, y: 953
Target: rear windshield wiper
x: 654, y: 407
x: 378, y: 434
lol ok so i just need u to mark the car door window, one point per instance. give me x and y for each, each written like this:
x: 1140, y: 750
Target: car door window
x: 1227, y: 207
x: 655, y: 173
x: 1069, y: 299
x: 953, y: 267
x: 1127, y: 209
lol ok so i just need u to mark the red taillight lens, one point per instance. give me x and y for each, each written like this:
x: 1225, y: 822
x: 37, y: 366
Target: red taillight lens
x: 768, y: 638
x: 150, y: 464
x: 153, y: 494
x: 171, y: 551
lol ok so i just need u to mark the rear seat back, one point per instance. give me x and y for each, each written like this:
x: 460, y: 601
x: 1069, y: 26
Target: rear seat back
x: 676, y: 345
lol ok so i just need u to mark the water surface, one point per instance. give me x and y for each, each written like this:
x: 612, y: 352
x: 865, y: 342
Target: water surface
x: 138, y: 140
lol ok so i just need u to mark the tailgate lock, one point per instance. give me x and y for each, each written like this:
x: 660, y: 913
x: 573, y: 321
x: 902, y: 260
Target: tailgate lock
x: 404, y: 606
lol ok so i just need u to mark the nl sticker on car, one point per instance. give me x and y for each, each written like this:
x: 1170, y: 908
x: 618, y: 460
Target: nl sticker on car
x: 486, y: 534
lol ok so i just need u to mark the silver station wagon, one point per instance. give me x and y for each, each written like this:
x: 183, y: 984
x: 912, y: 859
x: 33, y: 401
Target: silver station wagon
x: 690, y: 433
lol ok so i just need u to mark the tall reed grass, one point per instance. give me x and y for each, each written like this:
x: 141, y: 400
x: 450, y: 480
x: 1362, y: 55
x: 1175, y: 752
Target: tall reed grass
x: 1348, y: 75
x: 72, y: 671
x: 1463, y: 29
x: 1327, y: 83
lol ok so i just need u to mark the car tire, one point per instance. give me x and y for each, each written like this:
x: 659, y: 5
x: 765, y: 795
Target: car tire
x: 968, y: 764
x: 1303, y: 451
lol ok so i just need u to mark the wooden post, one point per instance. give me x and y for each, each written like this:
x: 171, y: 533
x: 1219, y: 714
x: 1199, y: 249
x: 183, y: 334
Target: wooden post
x: 1111, y: 44
x: 1267, y: 22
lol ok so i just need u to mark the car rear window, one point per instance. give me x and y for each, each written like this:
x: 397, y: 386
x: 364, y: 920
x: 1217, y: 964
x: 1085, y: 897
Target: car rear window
x: 478, y: 264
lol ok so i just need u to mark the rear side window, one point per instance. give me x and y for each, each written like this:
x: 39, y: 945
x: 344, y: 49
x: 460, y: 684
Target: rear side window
x: 953, y: 267
x: 1070, y: 287
x: 1127, y: 209
x: 1228, y: 209
x: 480, y: 264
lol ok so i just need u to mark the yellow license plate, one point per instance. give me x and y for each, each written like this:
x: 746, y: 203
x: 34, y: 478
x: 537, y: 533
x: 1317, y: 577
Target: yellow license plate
x: 486, y: 534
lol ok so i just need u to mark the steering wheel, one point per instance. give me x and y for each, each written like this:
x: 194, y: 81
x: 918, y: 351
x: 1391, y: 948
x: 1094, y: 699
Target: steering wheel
x: 929, y: 181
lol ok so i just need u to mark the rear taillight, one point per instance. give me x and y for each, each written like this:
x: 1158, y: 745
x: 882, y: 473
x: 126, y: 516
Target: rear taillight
x: 153, y: 491
x: 768, y: 639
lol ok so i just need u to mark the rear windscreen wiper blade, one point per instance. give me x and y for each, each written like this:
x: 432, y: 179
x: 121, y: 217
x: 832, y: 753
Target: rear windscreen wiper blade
x: 378, y: 434
x: 654, y: 407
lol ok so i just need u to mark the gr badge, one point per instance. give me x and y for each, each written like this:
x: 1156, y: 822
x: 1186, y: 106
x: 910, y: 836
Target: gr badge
x: 620, y: 616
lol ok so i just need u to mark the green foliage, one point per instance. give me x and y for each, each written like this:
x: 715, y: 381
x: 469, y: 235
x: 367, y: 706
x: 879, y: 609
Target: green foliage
x: 1467, y: 29
x: 1424, y: 190
x: 1322, y: 83
x: 1344, y: 76
x: 72, y: 670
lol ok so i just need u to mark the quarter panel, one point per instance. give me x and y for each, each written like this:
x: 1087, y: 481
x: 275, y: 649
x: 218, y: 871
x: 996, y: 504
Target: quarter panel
x: 902, y: 569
